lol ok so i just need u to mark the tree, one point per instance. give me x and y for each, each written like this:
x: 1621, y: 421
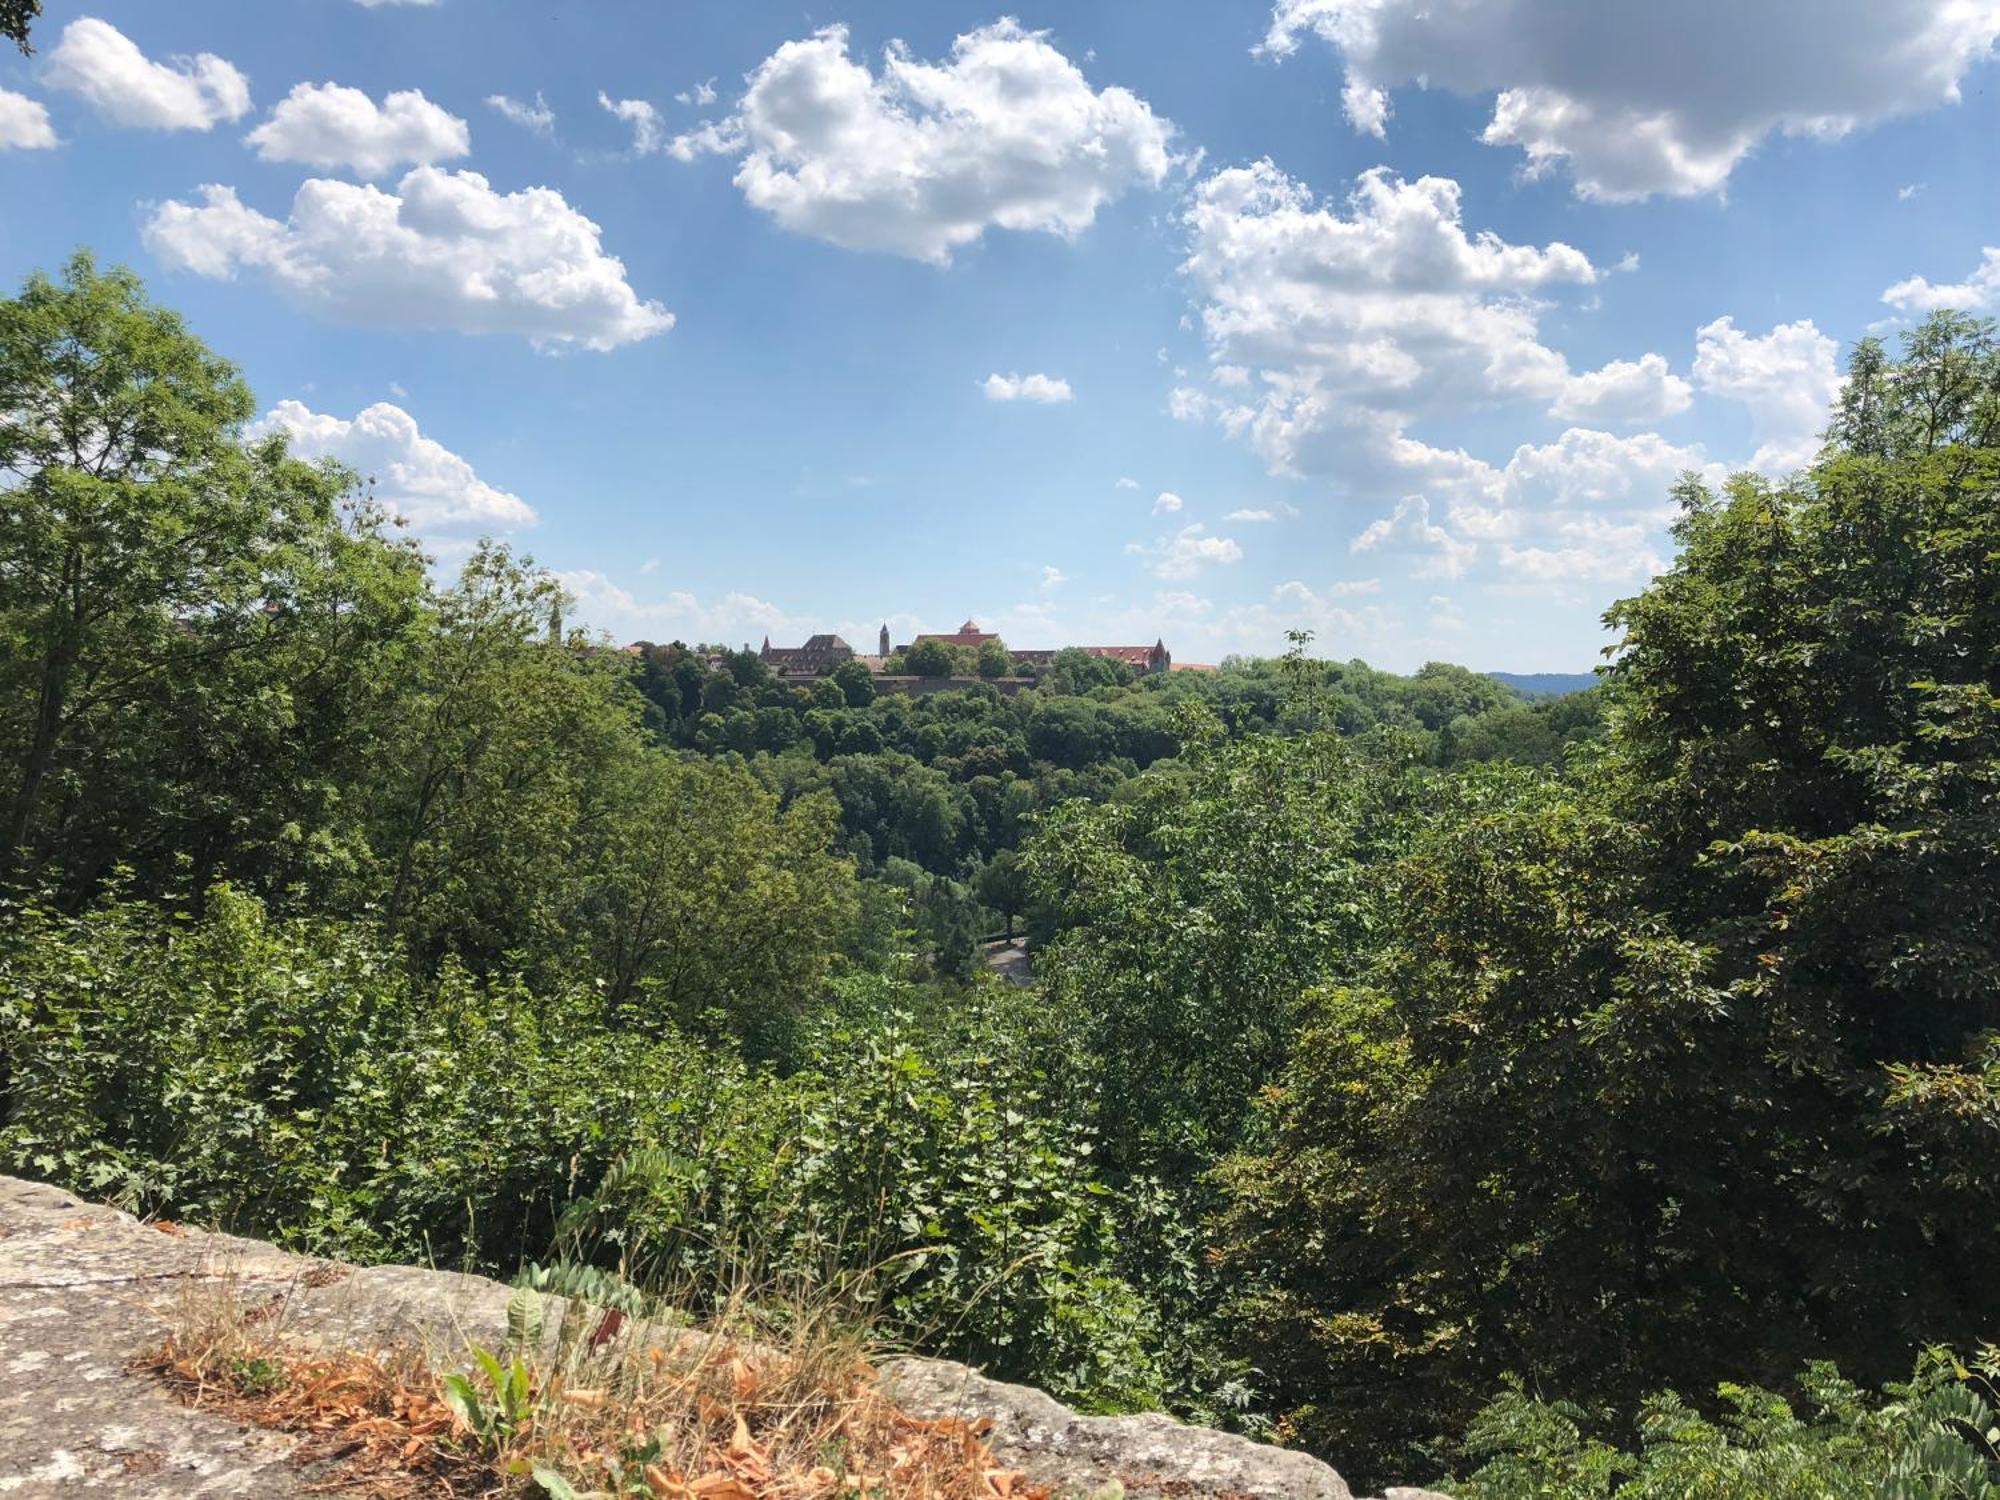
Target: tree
x: 1003, y: 885
x: 1633, y: 1053
x: 856, y: 682
x: 993, y: 659
x: 16, y: 16
x: 930, y: 659
x: 502, y: 757
x: 708, y: 900
x: 145, y: 554
x: 1075, y: 670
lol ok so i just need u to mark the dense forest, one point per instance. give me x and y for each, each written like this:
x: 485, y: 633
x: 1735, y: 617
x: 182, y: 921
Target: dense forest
x: 1587, y: 1095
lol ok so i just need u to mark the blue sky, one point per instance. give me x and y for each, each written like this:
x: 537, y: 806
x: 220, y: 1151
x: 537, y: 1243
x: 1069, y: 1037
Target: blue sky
x: 1389, y: 319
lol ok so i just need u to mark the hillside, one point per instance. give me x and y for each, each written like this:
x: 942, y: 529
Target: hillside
x: 1546, y: 684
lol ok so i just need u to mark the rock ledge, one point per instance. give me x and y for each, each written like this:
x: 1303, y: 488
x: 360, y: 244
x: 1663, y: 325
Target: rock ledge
x: 83, y: 1289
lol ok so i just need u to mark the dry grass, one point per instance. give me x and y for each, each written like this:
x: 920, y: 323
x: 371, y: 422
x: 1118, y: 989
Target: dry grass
x: 606, y: 1407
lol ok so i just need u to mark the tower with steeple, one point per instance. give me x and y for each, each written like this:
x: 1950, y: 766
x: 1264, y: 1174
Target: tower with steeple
x: 884, y: 639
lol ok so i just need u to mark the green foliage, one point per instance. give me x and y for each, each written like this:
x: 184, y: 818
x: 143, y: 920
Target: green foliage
x: 954, y: 1150
x: 930, y: 659
x: 993, y: 660
x: 179, y: 611
x: 495, y: 1412
x: 1934, y: 1437
x: 1635, y: 1051
x: 16, y: 16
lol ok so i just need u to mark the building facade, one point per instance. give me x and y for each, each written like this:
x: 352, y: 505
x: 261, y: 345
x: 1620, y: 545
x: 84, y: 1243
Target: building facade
x: 818, y: 656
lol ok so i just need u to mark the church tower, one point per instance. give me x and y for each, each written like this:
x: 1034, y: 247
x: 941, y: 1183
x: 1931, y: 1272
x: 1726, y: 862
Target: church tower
x: 885, y: 638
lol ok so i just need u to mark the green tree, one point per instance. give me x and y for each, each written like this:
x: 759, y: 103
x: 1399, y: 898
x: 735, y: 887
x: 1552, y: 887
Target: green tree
x: 163, y: 590
x: 993, y: 659
x: 1636, y: 1052
x: 707, y: 900
x: 1003, y: 885
x: 855, y: 682
x: 499, y: 761
x: 930, y: 659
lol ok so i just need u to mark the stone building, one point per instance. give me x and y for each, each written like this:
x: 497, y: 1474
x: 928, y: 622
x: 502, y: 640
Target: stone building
x: 818, y: 656
x: 1143, y: 660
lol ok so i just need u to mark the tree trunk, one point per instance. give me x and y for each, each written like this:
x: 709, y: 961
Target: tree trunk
x: 42, y: 745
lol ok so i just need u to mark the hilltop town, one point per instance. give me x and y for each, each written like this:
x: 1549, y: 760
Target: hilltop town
x: 936, y: 661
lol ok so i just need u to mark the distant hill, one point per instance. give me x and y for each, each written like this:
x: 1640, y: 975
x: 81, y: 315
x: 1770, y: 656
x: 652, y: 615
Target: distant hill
x: 1545, y: 684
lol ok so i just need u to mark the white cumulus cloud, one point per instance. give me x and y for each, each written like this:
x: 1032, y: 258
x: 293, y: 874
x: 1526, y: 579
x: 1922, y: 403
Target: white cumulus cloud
x: 1186, y: 552
x: 97, y: 61
x: 418, y: 477
x: 923, y: 158
x: 329, y: 125
x: 1978, y: 293
x: 1788, y: 378
x: 24, y: 123
x: 1356, y: 322
x: 1641, y: 390
x: 1409, y: 530
x: 1594, y: 469
x: 1168, y: 504
x: 444, y: 250
x: 1046, y: 389
x: 1639, y: 99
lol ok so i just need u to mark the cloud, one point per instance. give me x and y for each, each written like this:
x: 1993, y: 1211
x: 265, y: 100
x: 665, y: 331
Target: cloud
x: 1409, y: 530
x: 1053, y: 578
x: 1638, y: 99
x: 1908, y: 191
x: 1168, y: 504
x: 326, y: 125
x: 1642, y: 390
x: 24, y: 123
x: 1583, y: 549
x: 1978, y: 293
x: 1251, y: 515
x: 1294, y: 605
x: 1356, y: 322
x: 733, y: 619
x: 1126, y: 482
x: 1041, y: 388
x: 701, y: 95
x: 1186, y: 552
x: 649, y: 131
x: 1589, y: 468
x: 442, y: 251
x: 923, y: 158
x: 97, y: 61
x: 1787, y: 378
x: 418, y: 477
x: 537, y: 117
